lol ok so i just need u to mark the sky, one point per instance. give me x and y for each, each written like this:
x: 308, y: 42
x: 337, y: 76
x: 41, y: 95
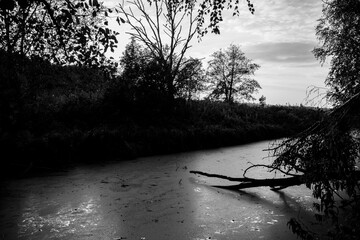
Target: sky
x: 279, y: 37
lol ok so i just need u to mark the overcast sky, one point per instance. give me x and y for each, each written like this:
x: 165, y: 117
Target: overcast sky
x: 279, y: 37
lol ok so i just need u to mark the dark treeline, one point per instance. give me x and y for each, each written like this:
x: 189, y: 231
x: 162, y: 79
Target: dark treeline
x: 67, y: 114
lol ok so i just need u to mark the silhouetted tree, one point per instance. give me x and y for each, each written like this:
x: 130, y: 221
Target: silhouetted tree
x: 132, y: 61
x: 338, y: 32
x: 142, y: 72
x: 141, y: 75
x: 167, y: 33
x: 191, y: 79
x: 262, y: 100
x: 229, y: 74
x: 162, y: 34
x: 132, y: 64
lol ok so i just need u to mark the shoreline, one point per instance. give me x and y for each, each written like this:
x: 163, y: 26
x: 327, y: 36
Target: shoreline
x: 64, y: 139
x: 88, y: 155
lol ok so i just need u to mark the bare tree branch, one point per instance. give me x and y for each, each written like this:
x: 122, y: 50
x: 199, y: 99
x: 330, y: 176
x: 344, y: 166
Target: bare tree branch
x: 163, y: 33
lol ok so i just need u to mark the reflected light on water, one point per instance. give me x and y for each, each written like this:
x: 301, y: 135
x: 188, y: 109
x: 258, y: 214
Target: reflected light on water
x: 67, y: 219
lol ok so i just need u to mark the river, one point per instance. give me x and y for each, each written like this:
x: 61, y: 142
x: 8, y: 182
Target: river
x: 153, y: 198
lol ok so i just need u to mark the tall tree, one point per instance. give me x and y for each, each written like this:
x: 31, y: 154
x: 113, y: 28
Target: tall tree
x: 139, y: 70
x: 166, y: 28
x: 229, y: 74
x: 142, y: 74
x: 163, y: 33
x: 132, y: 61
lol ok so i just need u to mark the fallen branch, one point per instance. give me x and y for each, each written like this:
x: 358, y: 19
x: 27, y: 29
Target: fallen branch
x: 274, y: 183
x: 220, y: 176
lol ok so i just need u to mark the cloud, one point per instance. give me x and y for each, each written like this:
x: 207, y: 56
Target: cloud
x: 282, y: 52
x: 278, y: 20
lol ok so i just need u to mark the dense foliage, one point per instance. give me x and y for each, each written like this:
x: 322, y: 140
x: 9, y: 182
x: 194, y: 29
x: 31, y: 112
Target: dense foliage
x: 327, y: 154
x: 338, y: 32
x: 142, y: 75
x: 57, y: 32
x: 63, y: 32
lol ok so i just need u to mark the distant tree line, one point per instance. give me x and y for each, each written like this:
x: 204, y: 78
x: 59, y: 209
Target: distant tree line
x: 227, y: 78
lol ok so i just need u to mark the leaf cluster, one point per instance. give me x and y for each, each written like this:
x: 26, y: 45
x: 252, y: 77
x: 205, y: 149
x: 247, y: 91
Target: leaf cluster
x: 338, y: 31
x: 62, y: 32
x: 211, y: 14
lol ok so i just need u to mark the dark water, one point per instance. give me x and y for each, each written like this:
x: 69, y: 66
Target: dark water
x: 153, y: 198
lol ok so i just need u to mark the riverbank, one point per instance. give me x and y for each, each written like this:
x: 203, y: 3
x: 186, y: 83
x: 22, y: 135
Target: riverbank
x: 73, y: 134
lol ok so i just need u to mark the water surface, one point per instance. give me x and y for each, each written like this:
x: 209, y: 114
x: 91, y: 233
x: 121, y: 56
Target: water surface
x: 153, y: 198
